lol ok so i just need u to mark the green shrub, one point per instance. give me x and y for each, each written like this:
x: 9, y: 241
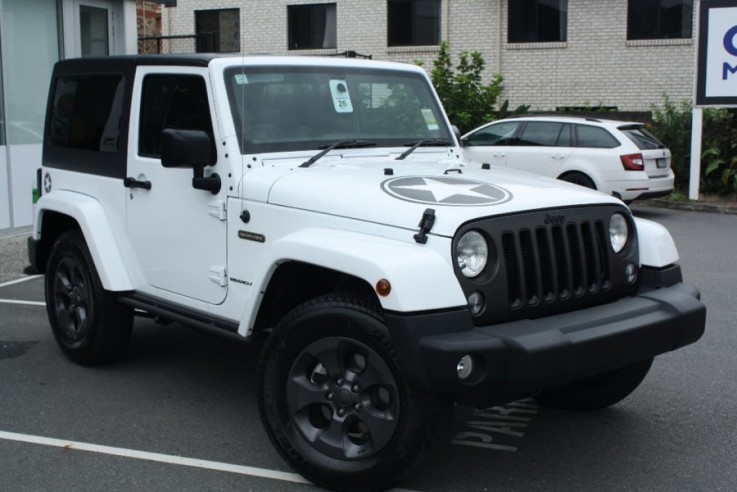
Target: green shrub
x: 468, y: 102
x: 672, y: 125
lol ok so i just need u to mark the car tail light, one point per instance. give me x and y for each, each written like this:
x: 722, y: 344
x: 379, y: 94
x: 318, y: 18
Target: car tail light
x: 633, y: 162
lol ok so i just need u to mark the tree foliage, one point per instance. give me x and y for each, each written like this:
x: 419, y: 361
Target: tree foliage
x: 467, y: 100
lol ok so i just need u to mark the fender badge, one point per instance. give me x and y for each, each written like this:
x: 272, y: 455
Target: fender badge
x: 442, y: 190
x: 47, y: 182
x: 252, y: 236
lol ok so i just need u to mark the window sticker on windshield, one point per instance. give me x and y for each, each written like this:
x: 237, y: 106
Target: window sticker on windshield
x: 341, y: 98
x: 241, y: 78
x: 430, y: 120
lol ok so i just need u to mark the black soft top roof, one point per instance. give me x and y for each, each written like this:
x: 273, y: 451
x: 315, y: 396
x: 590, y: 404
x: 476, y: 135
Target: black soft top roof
x: 129, y: 62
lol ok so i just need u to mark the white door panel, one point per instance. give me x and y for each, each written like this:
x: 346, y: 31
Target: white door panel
x: 546, y: 161
x: 189, y: 256
x: 491, y: 155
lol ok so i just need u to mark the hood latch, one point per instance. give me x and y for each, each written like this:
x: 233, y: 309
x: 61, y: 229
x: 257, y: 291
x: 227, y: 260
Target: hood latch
x: 428, y: 220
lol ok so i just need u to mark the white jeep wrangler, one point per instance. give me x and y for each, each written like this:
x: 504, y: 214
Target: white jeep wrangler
x: 324, y: 204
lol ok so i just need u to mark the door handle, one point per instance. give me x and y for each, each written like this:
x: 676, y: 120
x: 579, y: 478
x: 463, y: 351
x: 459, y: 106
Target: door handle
x: 134, y: 183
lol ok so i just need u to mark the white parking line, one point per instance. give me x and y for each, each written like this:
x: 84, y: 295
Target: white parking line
x: 19, y: 280
x: 26, y: 303
x: 161, y: 458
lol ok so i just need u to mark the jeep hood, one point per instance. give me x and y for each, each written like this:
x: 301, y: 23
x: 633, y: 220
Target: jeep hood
x: 396, y: 193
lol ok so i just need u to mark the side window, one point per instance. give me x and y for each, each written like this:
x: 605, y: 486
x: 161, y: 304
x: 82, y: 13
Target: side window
x: 594, y: 138
x: 565, y: 139
x: 86, y: 111
x: 172, y: 102
x: 540, y: 134
x: 500, y: 134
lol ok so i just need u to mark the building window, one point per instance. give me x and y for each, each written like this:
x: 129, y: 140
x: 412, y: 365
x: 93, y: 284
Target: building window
x: 414, y: 22
x: 94, y: 31
x: 218, y: 31
x: 535, y: 21
x: 312, y: 26
x: 659, y: 19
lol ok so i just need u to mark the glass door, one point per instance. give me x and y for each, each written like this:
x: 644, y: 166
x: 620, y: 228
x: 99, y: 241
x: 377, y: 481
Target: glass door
x: 95, y: 27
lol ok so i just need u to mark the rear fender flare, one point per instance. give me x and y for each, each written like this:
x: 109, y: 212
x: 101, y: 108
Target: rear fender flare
x: 95, y: 226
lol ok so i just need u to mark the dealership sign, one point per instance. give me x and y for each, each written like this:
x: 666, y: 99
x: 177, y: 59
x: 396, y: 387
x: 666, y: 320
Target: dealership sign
x: 716, y: 79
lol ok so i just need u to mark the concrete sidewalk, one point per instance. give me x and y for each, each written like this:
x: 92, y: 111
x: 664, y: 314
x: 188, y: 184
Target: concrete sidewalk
x: 13, y: 253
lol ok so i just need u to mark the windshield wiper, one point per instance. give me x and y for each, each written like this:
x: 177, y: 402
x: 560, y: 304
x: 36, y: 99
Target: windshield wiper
x: 345, y: 144
x: 425, y: 142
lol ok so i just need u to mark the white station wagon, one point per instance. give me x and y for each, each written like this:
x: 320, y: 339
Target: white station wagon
x: 618, y: 158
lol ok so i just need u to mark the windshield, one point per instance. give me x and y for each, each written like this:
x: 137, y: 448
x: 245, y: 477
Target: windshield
x: 299, y: 108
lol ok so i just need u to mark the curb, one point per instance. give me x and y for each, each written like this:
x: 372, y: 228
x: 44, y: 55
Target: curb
x: 693, y: 206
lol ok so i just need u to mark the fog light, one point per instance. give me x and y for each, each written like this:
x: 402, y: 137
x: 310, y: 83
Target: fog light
x: 630, y: 273
x: 464, y: 367
x: 476, y: 303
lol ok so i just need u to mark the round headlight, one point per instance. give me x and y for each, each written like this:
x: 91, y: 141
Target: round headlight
x: 472, y: 253
x: 618, y: 232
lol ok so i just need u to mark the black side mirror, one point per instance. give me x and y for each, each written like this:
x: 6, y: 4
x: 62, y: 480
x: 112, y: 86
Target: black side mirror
x: 185, y: 148
x: 190, y: 148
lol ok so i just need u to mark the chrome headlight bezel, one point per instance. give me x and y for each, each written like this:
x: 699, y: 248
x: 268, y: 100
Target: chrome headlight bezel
x: 618, y: 232
x: 472, y: 254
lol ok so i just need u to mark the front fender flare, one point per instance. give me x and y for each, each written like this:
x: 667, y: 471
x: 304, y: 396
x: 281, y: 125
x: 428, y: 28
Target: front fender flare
x: 421, y: 278
x: 657, y: 248
x: 94, y: 223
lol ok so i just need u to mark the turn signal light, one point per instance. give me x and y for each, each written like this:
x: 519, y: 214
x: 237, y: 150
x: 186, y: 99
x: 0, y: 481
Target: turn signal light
x: 383, y: 287
x: 633, y: 162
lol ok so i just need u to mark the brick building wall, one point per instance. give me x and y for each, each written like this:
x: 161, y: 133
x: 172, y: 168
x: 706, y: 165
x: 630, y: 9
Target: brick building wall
x: 597, y: 65
x: 148, y: 24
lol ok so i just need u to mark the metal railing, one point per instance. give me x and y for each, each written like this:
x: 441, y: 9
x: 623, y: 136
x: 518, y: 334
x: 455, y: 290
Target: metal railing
x: 205, y: 42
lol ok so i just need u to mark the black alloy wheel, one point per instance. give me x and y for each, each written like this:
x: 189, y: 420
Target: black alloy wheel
x: 89, y: 325
x: 333, y: 401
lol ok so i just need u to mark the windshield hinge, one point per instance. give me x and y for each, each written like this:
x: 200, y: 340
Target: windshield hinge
x: 217, y: 209
x: 428, y: 220
x: 218, y: 274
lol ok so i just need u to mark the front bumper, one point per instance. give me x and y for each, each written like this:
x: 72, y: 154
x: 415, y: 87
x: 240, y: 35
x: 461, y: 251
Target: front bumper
x: 521, y: 357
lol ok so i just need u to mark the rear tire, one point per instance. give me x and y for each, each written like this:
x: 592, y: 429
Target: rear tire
x: 333, y: 401
x: 578, y: 179
x: 597, y: 392
x: 87, y: 322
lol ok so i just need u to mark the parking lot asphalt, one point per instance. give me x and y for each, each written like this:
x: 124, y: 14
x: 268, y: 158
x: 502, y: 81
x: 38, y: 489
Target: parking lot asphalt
x: 179, y: 413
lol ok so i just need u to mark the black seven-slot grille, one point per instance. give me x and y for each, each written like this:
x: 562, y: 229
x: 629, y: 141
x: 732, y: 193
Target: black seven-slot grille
x: 550, y: 261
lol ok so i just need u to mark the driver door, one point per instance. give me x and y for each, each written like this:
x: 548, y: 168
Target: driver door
x: 492, y: 143
x: 178, y: 233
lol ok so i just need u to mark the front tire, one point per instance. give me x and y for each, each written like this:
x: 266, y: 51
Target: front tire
x: 597, y: 392
x: 333, y: 401
x: 89, y: 325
